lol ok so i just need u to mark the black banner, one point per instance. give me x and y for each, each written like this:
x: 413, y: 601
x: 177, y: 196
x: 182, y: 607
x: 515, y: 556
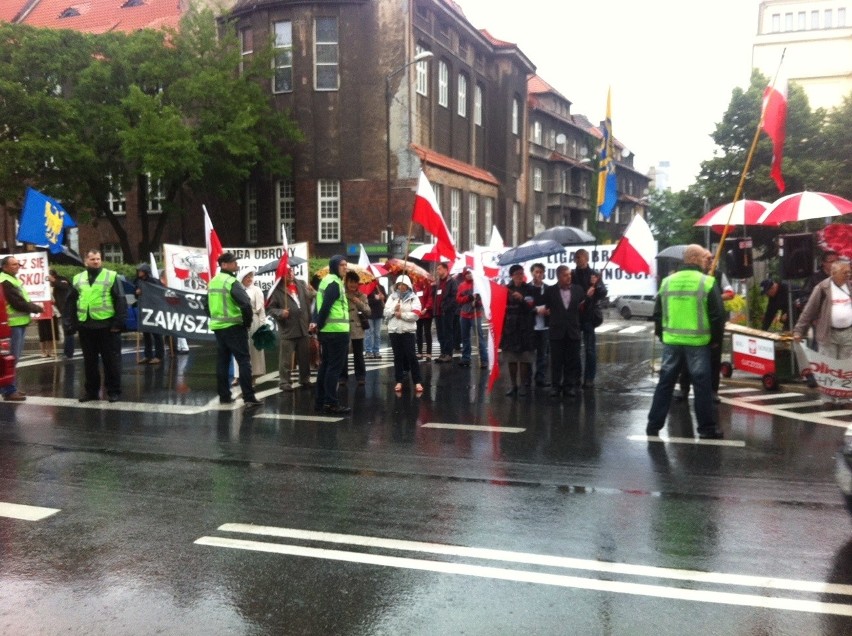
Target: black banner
x: 172, y: 312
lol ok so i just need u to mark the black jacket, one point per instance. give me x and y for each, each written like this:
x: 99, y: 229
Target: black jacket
x: 565, y: 323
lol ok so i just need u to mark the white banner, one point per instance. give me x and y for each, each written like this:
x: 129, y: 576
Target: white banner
x: 33, y: 275
x: 617, y: 281
x: 833, y: 377
x: 186, y: 267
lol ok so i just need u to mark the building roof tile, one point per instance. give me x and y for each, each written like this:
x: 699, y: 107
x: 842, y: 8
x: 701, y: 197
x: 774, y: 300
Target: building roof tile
x: 427, y: 155
x: 102, y: 16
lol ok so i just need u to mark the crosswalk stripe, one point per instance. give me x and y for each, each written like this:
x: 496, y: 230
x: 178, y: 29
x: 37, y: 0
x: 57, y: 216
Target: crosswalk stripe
x: 800, y: 405
x: 636, y: 329
x: 687, y: 440
x: 738, y: 390
x: 607, y: 327
x: 474, y: 427
x: 25, y: 513
x: 768, y: 397
x: 297, y: 417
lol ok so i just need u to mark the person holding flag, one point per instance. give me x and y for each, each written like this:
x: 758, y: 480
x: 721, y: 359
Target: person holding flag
x: 18, y: 309
x: 591, y: 316
x: 290, y: 305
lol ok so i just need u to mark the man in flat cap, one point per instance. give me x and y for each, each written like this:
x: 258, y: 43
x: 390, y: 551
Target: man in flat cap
x: 230, y: 317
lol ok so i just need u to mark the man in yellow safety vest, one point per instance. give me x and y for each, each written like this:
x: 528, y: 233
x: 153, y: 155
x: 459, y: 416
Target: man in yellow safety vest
x: 230, y: 317
x: 97, y: 308
x: 18, y: 308
x: 332, y: 324
x: 689, y: 318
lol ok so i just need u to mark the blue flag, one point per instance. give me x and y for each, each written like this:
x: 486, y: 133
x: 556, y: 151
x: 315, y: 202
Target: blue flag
x: 607, y: 186
x: 43, y: 222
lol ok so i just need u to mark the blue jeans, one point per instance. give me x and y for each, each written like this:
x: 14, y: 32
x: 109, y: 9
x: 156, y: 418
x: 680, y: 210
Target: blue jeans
x: 16, y: 348
x: 697, y: 360
x: 467, y: 325
x: 373, y: 336
x: 590, y: 359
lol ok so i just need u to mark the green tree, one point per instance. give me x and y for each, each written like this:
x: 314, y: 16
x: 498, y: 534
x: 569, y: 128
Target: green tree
x: 92, y: 116
x: 671, y: 216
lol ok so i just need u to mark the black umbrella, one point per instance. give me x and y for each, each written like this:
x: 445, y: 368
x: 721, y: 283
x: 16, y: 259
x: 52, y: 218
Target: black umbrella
x: 529, y: 251
x: 271, y: 266
x: 674, y: 252
x: 565, y: 235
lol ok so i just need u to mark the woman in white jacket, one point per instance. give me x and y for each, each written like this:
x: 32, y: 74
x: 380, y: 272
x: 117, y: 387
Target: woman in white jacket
x: 258, y: 317
x: 402, y: 310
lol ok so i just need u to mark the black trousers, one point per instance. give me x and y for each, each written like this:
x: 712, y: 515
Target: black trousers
x: 424, y: 336
x: 101, y: 345
x: 404, y: 357
x: 333, y: 349
x: 358, y: 364
x: 233, y: 341
x: 564, y: 362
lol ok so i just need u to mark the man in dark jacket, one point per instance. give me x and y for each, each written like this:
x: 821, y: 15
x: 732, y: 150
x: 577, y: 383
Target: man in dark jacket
x: 518, y: 340
x: 290, y: 305
x: 444, y: 311
x: 564, y: 302
x: 153, y: 342
x: 332, y: 323
x: 595, y: 291
x: 97, y: 309
x: 18, y: 309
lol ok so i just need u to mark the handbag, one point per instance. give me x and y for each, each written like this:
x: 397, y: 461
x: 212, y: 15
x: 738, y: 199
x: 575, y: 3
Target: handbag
x: 365, y: 322
x: 597, y: 316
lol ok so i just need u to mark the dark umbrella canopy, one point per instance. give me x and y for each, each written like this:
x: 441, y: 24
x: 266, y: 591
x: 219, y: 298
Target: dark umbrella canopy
x: 530, y: 250
x: 271, y: 266
x: 565, y: 235
x: 674, y: 252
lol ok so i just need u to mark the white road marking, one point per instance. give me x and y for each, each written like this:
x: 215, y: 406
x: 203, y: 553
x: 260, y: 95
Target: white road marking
x: 474, y: 427
x: 26, y: 513
x: 638, y: 589
x: 607, y: 327
x: 687, y: 440
x: 768, y: 397
x: 800, y: 405
x: 528, y: 558
x: 297, y: 417
x: 738, y: 390
x: 632, y: 330
x: 816, y: 418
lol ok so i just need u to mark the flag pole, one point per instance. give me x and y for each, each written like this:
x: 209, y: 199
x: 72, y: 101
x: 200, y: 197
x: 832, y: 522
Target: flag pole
x: 744, y: 173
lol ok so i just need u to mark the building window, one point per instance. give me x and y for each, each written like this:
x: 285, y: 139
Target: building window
x: 282, y: 80
x: 776, y: 22
x: 422, y: 67
x: 325, y: 54
x: 814, y: 19
x: 251, y: 212
x: 477, y: 105
x: 472, y: 229
x: 516, y: 113
x: 488, y: 216
x: 111, y: 253
x: 536, y: 133
x: 462, y: 96
x: 116, y: 201
x: 329, y: 210
x: 455, y: 213
x: 155, y: 195
x: 285, y: 203
x: 443, y: 84
x: 246, y: 48
x: 537, y: 186
x: 828, y: 19
x: 803, y: 21
x: 788, y: 21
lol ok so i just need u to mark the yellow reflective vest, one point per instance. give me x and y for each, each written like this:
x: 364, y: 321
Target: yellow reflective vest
x: 95, y: 299
x: 224, y: 310
x: 16, y: 318
x: 683, y: 297
x: 338, y: 317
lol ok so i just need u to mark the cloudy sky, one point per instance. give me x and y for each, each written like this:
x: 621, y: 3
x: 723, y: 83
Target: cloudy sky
x: 672, y: 65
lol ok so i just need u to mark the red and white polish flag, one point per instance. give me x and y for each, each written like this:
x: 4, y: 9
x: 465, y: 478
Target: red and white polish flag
x: 427, y: 213
x: 214, y: 246
x: 636, y: 252
x: 775, y: 126
x: 494, y: 298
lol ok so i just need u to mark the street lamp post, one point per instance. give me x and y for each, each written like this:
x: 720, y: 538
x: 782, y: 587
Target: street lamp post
x: 425, y: 55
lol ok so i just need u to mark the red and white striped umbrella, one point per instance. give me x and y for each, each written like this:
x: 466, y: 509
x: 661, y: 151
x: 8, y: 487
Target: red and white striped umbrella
x: 745, y: 212
x: 803, y: 206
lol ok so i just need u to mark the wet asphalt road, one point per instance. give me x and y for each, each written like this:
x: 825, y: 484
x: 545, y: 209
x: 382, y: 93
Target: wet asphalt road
x: 177, y: 516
